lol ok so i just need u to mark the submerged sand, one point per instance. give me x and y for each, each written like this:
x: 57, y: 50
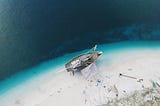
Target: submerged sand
x: 59, y: 88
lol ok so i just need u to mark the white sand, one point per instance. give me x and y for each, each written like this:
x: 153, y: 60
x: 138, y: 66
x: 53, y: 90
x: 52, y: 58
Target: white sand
x: 62, y: 89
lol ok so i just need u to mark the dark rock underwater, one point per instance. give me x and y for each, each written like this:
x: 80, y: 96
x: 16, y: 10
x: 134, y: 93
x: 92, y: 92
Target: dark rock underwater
x: 33, y: 31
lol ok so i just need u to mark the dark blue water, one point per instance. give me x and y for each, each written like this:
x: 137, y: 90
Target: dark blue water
x: 32, y: 31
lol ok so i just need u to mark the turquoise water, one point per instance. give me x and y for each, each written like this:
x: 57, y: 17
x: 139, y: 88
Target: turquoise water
x: 53, y: 65
x: 39, y: 70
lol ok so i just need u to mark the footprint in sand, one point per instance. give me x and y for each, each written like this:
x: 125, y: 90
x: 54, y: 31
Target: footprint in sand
x: 18, y: 102
x: 60, y: 90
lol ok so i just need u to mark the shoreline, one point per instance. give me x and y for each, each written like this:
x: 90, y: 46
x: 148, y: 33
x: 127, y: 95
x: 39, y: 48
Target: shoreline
x: 58, y: 88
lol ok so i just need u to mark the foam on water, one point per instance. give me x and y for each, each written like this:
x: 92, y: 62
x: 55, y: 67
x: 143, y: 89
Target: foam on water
x: 57, y: 65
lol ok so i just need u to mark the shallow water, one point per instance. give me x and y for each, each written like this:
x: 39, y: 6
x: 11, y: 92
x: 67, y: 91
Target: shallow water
x: 24, y: 77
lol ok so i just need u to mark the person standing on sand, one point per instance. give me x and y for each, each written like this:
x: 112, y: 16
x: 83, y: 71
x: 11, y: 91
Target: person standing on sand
x: 153, y: 83
x: 115, y: 90
x: 84, y: 93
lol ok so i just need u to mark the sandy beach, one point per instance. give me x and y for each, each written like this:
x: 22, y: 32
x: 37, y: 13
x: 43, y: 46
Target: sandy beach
x: 119, y: 73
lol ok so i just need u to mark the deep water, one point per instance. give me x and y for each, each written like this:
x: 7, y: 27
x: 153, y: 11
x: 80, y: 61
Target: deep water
x: 33, y: 31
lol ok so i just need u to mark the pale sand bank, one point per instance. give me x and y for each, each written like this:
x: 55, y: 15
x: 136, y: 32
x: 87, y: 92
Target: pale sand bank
x: 59, y: 88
